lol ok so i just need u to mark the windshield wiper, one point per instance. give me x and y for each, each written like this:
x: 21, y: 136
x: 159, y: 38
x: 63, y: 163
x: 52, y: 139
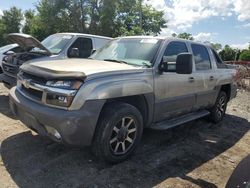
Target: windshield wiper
x: 146, y: 64
x: 115, y: 60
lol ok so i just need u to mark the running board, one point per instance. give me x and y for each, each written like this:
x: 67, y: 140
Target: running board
x: 164, y: 125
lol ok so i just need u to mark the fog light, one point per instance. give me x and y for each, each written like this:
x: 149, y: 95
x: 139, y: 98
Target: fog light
x: 52, y: 131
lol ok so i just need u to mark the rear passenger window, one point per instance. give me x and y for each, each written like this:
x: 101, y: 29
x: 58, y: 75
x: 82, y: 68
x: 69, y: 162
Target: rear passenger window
x: 172, y: 51
x: 99, y: 43
x: 218, y: 60
x: 201, y: 57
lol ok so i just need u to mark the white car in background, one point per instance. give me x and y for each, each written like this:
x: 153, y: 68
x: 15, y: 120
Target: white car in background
x: 55, y: 47
x: 8, y: 48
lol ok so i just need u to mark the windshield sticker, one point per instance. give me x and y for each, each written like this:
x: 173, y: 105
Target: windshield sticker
x: 67, y: 37
x: 151, y: 41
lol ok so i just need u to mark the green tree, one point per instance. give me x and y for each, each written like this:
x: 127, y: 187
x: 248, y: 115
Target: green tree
x: 53, y: 16
x: 10, y: 23
x: 228, y: 54
x: 185, y: 35
x: 78, y: 15
x: 29, y: 19
x: 2, y: 27
x: 134, y: 18
x: 216, y: 46
x: 174, y: 35
x: 12, y: 20
x: 152, y: 20
x: 33, y: 25
x: 94, y: 15
x: 245, y: 55
x: 107, y: 18
x: 104, y: 17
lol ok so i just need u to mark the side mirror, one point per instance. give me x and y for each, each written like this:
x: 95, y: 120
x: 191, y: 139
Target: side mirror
x: 167, y: 64
x: 163, y: 66
x: 184, y: 63
x: 93, y: 51
x: 9, y: 52
x: 74, y: 52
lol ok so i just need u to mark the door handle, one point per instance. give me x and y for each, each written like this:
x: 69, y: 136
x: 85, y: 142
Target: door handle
x: 211, y: 78
x: 191, y: 79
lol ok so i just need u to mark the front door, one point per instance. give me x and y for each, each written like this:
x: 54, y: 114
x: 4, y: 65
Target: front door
x: 174, y: 93
x: 84, y: 45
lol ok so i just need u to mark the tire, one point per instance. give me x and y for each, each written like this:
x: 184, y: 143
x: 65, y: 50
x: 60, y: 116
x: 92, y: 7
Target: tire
x: 118, y: 132
x: 217, y: 112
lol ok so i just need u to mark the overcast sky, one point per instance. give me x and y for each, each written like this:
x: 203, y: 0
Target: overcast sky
x: 223, y: 21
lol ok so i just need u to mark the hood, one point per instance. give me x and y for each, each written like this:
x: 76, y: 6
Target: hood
x: 75, y: 67
x: 26, y: 41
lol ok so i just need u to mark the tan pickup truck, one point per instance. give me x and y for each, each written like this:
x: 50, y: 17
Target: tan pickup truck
x: 130, y: 84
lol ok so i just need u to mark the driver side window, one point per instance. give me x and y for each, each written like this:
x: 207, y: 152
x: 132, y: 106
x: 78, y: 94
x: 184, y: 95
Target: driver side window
x: 172, y: 51
x: 84, y: 45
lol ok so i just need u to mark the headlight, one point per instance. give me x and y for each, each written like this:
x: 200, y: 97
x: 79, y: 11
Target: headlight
x: 64, y: 84
x: 5, y: 59
x: 58, y: 98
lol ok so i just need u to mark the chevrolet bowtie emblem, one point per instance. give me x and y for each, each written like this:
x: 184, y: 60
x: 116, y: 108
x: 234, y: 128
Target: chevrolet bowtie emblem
x: 26, y: 83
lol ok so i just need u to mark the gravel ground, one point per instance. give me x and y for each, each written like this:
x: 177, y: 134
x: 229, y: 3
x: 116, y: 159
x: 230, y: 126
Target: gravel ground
x: 196, y: 154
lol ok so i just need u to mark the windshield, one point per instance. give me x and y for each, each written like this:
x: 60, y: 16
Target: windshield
x: 55, y: 43
x: 7, y: 48
x: 138, y: 52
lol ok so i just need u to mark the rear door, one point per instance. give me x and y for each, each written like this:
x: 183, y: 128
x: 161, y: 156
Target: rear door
x: 205, y: 76
x: 174, y: 93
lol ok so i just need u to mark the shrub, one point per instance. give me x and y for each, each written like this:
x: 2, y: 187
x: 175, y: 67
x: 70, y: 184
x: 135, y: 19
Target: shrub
x: 245, y: 55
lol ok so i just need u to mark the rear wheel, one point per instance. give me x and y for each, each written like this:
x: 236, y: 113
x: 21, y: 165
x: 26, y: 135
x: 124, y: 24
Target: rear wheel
x: 217, y: 112
x: 118, y: 132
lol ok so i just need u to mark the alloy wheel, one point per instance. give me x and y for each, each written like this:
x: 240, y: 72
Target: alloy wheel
x: 221, y: 107
x: 123, y: 136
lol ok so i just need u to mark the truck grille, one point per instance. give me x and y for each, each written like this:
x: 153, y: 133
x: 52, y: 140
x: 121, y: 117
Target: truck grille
x: 35, y: 94
x: 31, y: 92
x: 10, y: 69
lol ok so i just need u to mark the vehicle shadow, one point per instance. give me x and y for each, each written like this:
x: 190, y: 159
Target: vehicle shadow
x: 4, y: 107
x: 33, y: 161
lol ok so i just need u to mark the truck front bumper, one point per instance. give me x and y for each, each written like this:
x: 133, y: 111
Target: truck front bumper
x: 76, y: 127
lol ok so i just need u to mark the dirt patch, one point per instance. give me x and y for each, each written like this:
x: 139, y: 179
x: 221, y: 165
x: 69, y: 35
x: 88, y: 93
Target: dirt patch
x: 197, y: 154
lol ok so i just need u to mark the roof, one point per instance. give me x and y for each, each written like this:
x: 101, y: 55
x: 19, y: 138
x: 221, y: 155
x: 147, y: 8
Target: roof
x: 165, y: 38
x: 142, y: 37
x: 86, y: 35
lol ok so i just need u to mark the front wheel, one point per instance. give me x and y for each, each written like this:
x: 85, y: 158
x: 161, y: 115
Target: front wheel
x: 118, y: 132
x: 217, y: 112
